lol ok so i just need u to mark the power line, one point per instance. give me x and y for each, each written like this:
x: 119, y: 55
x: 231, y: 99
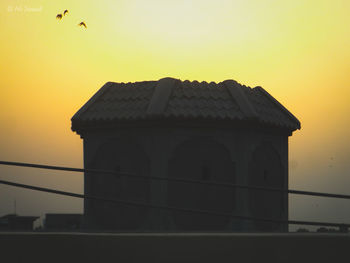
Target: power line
x: 164, y: 207
x: 175, y: 179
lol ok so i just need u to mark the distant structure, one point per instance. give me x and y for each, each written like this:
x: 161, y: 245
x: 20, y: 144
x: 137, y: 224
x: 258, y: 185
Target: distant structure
x: 62, y: 222
x: 224, y: 132
x: 13, y: 222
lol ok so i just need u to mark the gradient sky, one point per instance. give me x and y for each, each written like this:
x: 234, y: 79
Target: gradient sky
x: 298, y: 50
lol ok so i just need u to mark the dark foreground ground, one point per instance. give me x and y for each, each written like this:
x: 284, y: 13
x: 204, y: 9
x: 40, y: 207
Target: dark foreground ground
x: 88, y: 247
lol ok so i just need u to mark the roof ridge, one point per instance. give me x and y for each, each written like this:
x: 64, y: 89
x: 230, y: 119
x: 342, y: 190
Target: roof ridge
x: 160, y: 97
x: 235, y: 90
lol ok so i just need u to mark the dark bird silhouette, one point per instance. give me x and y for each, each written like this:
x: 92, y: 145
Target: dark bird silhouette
x: 82, y: 24
x: 65, y: 12
x: 59, y: 16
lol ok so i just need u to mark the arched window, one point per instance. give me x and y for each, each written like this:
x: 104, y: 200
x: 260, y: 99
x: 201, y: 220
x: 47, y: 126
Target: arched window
x: 266, y: 176
x: 117, y: 183
x: 206, y: 172
x: 124, y: 156
x: 117, y: 169
x: 201, y: 159
x: 266, y: 171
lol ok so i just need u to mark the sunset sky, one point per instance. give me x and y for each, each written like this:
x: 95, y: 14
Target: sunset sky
x: 298, y: 50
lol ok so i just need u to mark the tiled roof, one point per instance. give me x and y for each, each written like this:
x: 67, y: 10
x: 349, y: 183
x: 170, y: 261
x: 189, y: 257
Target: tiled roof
x: 171, y: 98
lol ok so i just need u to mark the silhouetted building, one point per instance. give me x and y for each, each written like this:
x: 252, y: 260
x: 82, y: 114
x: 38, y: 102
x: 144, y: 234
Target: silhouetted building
x: 224, y: 132
x: 62, y: 222
x: 13, y: 222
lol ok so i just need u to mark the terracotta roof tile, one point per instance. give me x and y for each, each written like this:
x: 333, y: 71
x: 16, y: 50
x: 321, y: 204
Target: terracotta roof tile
x: 172, y: 98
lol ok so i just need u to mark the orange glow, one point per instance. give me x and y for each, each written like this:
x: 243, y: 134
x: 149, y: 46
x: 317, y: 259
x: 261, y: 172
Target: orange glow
x: 297, y: 50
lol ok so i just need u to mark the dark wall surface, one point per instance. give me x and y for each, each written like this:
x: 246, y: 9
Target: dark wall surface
x: 76, y: 247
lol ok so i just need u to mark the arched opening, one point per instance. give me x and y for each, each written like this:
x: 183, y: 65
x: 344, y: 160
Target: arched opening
x: 266, y: 170
x: 120, y: 156
x: 206, y: 160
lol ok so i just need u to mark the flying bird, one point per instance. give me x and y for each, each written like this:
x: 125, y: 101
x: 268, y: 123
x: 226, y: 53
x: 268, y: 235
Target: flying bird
x: 65, y: 12
x: 59, y: 16
x: 82, y: 24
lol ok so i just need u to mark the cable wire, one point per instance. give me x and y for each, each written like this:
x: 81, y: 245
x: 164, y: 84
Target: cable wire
x: 175, y: 179
x: 164, y: 207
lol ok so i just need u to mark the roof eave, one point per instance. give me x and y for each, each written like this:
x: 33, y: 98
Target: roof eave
x: 98, y: 94
x: 279, y: 105
x: 85, y: 128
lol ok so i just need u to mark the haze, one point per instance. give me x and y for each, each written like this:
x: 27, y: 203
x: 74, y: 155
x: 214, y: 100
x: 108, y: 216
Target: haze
x: 297, y: 50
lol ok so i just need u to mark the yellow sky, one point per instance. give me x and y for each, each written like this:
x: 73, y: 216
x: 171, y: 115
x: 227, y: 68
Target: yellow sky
x: 298, y: 50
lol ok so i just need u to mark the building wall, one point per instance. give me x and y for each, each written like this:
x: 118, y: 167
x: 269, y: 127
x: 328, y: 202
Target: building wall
x: 190, y: 247
x: 183, y: 152
x: 118, y: 154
